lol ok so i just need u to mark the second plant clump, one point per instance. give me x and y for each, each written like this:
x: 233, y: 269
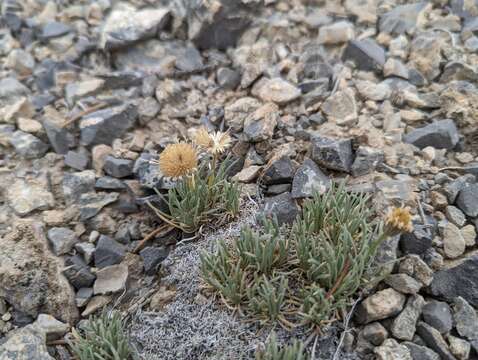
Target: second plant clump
x: 203, y: 192
x: 307, y: 275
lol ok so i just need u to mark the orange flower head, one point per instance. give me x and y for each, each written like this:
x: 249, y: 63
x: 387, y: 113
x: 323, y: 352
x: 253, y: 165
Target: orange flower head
x: 178, y: 160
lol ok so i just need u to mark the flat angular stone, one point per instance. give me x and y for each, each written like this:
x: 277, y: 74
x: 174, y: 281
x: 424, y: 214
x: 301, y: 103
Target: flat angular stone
x: 78, y: 183
x: 309, y: 179
x: 62, y: 240
x: 381, y: 305
x: 460, y: 280
x: 108, y: 252
x: 366, y: 54
x: 341, y: 108
x: 467, y: 200
x: 334, y: 154
x: 434, y: 340
x: 118, y: 168
x: 125, y: 26
x: 28, y: 146
x: 466, y: 319
x: 27, y: 196
x: 404, y: 325
x: 392, y: 350
x: 220, y: 24
x: 416, y: 242
x: 27, y: 343
x: 441, y: 134
x: 78, y: 272
x: 438, y: 315
x: 279, y: 171
x: 152, y: 258
x: 111, y: 279
x: 282, y: 206
x: 402, y: 19
x: 403, y: 283
x: 276, y: 90
x: 260, y: 125
x: 54, y: 29
x: 76, y: 160
x: 103, y: 126
x: 419, y: 352
x: 366, y: 160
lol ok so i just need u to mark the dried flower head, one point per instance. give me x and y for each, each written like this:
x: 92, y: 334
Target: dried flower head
x: 178, y: 160
x: 215, y: 143
x: 398, y: 220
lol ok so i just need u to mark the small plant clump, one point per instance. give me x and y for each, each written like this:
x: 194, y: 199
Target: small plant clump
x: 273, y: 351
x: 309, y: 274
x: 103, y: 338
x: 203, y: 193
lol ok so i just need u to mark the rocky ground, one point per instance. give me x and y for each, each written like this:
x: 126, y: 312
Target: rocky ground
x: 380, y: 92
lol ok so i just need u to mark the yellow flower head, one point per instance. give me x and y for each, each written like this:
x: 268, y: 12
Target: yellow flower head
x: 398, y: 220
x: 215, y: 143
x: 178, y: 160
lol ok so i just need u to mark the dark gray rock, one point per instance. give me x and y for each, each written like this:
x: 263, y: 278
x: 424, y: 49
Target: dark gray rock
x: 60, y: 138
x: 419, y: 352
x: 121, y: 79
x: 375, y: 333
x: 453, y: 188
x: 461, y: 280
x: 87, y: 249
x: 122, y: 235
x: 467, y: 200
x: 401, y: 19
x: 189, y: 60
x: 441, y: 134
x: 91, y: 204
x: 118, y: 168
x: 281, y: 206
x: 334, y: 154
x: 279, y: 171
x: 228, y: 79
x: 76, y: 160
x: 434, y: 340
x: 108, y: 252
x: 28, y: 146
x: 366, y: 54
x: 83, y: 296
x: 416, y: 242
x: 366, y: 160
x: 438, y: 315
x: 109, y: 183
x: 103, y: 126
x: 126, y: 25
x: 76, y: 184
x: 78, y: 272
x: 309, y: 179
x: 54, y: 29
x: 11, y: 89
x: 466, y: 319
x: 152, y: 258
x: 218, y: 25
x: 62, y: 239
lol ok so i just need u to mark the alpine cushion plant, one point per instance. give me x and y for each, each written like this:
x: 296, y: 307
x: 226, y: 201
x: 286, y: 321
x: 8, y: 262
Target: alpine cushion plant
x: 203, y: 192
x: 309, y: 274
x: 103, y: 338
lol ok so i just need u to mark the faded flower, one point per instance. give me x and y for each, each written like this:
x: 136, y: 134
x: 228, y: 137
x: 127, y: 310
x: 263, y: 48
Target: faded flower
x: 178, y: 160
